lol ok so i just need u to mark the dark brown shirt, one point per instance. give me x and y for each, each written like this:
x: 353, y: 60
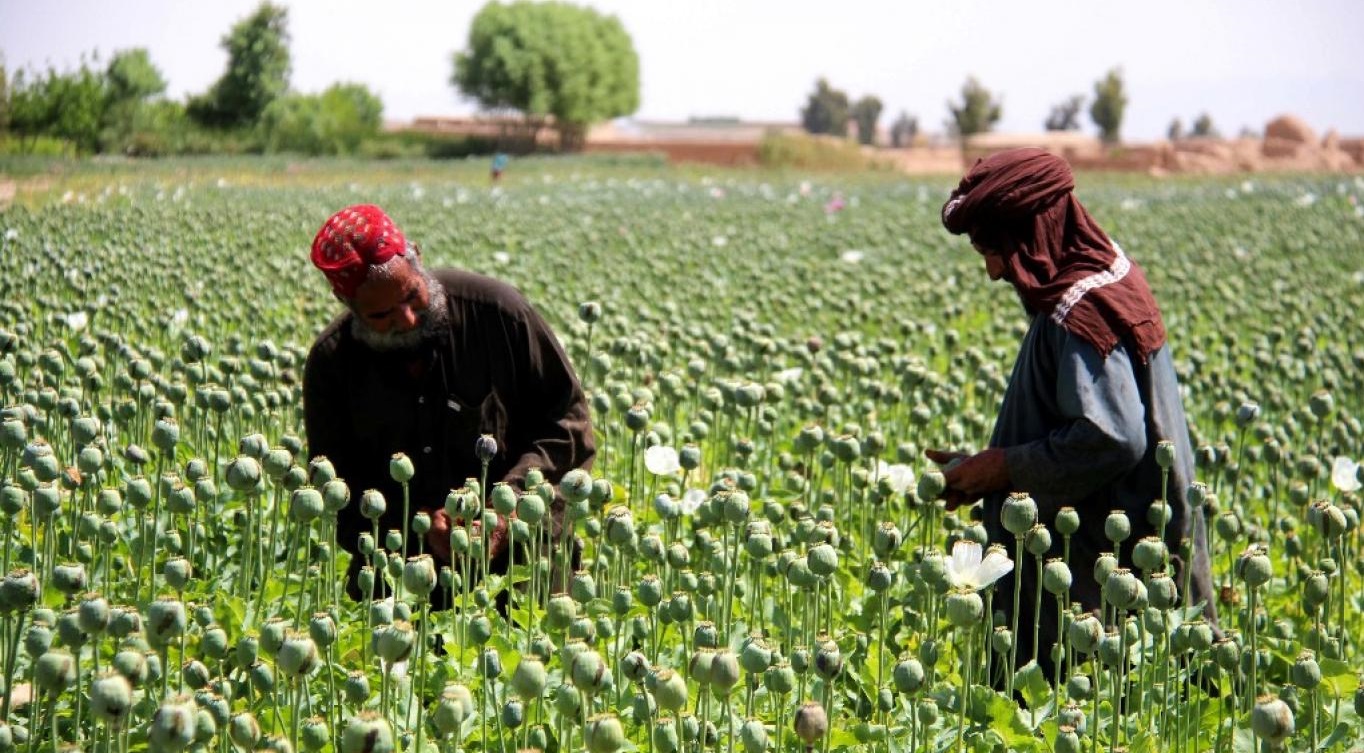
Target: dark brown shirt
x: 497, y: 369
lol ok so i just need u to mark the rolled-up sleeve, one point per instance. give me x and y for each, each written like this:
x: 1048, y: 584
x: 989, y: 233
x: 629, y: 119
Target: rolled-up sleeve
x: 1105, y: 435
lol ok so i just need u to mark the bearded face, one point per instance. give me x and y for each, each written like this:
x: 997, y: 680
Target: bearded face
x: 399, y: 306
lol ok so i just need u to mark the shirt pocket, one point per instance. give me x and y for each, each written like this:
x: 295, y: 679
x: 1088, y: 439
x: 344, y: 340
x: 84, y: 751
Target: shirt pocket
x: 467, y: 420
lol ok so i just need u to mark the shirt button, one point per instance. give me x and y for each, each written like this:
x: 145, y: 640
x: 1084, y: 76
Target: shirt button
x: 427, y: 449
x: 421, y: 400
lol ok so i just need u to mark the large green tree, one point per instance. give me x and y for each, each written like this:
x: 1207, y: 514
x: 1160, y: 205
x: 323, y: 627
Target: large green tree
x: 977, y: 112
x: 826, y: 110
x: 257, y: 70
x: 866, y: 111
x: 550, y: 60
x: 1109, y: 102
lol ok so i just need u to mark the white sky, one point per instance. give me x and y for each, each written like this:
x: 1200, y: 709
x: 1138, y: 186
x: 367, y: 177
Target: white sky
x: 1243, y: 62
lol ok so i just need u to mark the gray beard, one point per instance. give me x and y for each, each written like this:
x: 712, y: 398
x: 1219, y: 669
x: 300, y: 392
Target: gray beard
x: 434, y: 321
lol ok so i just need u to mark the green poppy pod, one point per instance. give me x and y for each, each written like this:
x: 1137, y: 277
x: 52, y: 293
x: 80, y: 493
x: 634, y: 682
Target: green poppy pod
x: 1254, y: 567
x: 1056, y: 577
x: 54, y: 671
x: 1305, y: 672
x: 1162, y: 591
x: 243, y: 474
x: 166, y: 620
x: 490, y: 663
x: 567, y: 701
x: 393, y: 642
x: 1165, y: 454
x: 306, y: 504
x: 582, y: 587
x: 964, y: 608
x: 529, y: 678
x: 178, y: 573
x: 1271, y: 720
x: 111, y: 698
x: 400, y: 468
x: 604, y: 734
x: 724, y: 671
x: 1117, y: 526
x: 356, y: 688
x: 503, y: 498
x: 297, y: 656
x: 664, y: 735
x: 822, y: 559
x: 908, y: 676
x: 589, y: 673
x: 931, y: 485
x: 1019, y: 513
x: 576, y: 485
x: 810, y: 722
x: 1037, y: 540
x: 419, y: 575
x: 173, y: 726
x: 368, y: 732
x: 1104, y: 565
x: 1085, y: 633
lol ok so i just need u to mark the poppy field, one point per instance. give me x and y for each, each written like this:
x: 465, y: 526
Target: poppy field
x: 765, y: 565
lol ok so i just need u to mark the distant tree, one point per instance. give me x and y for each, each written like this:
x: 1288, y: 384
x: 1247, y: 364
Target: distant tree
x: 1109, y: 102
x: 826, y: 110
x: 977, y: 112
x: 336, y: 121
x: 132, y: 76
x: 130, y: 81
x: 1248, y: 133
x: 1176, y: 130
x: 257, y: 70
x: 68, y: 106
x: 903, y: 131
x: 1066, y: 115
x: 1204, y: 127
x: 866, y: 111
x: 4, y: 96
x: 546, y: 60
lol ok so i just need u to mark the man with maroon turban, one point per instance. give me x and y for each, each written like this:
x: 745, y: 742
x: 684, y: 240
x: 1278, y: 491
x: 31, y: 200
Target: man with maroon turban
x: 425, y: 362
x: 1092, y: 393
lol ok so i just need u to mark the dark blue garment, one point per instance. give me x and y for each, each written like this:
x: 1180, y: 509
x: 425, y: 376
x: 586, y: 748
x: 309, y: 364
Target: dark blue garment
x: 1080, y: 430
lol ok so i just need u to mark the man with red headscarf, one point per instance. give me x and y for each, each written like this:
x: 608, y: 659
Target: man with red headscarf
x: 425, y: 363
x: 1093, y: 391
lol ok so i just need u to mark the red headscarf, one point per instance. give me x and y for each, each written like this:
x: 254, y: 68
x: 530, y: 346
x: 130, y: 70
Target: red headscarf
x: 353, y: 240
x: 1020, y: 203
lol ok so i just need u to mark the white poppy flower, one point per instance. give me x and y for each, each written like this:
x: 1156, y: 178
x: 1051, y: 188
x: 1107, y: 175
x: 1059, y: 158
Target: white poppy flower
x: 180, y: 317
x: 501, y: 257
x: 691, y: 501
x: 1345, y: 475
x: 967, y: 569
x: 77, y: 320
x: 789, y: 376
x: 661, y: 460
x: 901, y: 476
x: 11, y: 234
x: 851, y: 256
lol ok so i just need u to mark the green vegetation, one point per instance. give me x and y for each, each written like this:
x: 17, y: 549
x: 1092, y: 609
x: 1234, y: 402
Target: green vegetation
x: 764, y: 569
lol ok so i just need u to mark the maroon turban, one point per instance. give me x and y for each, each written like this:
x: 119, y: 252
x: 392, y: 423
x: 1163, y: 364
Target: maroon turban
x: 353, y: 240
x: 1019, y: 204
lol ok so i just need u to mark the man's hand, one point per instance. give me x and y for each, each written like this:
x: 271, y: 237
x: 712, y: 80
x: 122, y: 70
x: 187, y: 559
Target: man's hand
x: 943, y: 457
x: 438, y: 537
x: 975, y: 476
